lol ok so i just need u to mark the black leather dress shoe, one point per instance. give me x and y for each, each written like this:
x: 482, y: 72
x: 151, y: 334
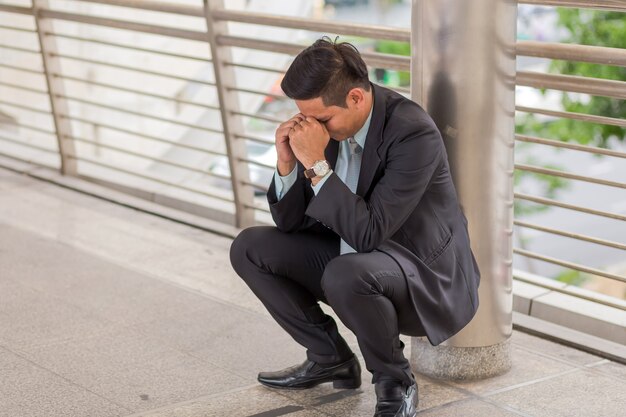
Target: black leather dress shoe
x: 344, y: 375
x: 394, y: 400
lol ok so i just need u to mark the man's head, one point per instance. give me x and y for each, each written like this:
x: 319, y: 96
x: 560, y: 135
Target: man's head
x: 329, y: 81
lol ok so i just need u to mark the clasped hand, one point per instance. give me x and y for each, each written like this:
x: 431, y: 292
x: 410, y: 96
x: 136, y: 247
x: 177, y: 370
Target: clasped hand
x: 302, y: 138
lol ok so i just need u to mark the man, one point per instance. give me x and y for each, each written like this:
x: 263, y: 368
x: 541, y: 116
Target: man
x: 368, y: 222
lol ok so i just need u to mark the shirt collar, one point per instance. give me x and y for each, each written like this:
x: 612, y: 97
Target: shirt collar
x: 361, y: 135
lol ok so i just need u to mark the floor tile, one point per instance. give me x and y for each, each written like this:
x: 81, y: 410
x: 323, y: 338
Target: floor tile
x: 579, y: 394
x: 133, y: 369
x: 469, y: 408
x: 30, y: 390
x: 553, y: 349
x: 526, y: 367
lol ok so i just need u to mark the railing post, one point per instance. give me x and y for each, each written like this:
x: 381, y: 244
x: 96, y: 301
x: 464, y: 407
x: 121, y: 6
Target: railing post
x: 463, y: 74
x: 231, y: 123
x: 56, y: 91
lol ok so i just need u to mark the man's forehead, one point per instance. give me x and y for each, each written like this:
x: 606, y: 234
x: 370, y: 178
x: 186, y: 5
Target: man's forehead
x: 314, y: 107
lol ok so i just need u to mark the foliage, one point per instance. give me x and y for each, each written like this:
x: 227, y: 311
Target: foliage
x: 396, y: 48
x: 584, y: 27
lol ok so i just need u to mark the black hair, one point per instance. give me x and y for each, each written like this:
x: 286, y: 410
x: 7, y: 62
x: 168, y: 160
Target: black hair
x: 326, y: 69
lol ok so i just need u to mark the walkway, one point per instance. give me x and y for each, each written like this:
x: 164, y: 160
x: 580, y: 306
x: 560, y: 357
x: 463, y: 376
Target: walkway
x: 109, y: 311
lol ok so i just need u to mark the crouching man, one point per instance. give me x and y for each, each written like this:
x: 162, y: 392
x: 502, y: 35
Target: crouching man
x: 367, y: 222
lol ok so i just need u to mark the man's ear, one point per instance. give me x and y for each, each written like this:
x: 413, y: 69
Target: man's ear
x: 355, y: 97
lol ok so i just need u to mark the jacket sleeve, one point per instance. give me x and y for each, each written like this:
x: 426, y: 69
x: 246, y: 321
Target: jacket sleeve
x: 289, y: 212
x: 410, y: 164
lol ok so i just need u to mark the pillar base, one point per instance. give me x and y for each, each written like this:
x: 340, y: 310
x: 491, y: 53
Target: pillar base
x: 459, y: 363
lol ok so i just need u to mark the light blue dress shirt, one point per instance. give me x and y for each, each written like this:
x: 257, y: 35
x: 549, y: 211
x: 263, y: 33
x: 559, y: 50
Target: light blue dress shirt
x: 284, y: 183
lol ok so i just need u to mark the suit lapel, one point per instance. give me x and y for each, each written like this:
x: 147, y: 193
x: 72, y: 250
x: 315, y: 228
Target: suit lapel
x: 371, y: 160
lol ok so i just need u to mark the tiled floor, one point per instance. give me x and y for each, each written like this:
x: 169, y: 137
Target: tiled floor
x: 107, y: 311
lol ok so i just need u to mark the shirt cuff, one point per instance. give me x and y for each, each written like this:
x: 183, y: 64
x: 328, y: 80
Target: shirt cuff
x: 318, y: 187
x: 283, y: 184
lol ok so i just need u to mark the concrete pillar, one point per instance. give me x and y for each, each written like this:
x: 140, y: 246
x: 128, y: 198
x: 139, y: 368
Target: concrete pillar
x: 463, y: 74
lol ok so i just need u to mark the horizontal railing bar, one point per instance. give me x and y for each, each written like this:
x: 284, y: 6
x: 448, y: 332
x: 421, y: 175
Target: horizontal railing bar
x: 255, y: 185
x: 573, y: 146
x: 591, y: 118
x: 145, y: 136
x: 615, y: 5
x: 14, y: 67
x: 572, y: 235
x: 570, y: 265
x: 16, y: 9
x: 17, y: 48
x: 373, y: 59
x: 136, y: 113
x: 572, y: 83
x: 401, y: 90
x: 562, y: 174
x: 21, y: 87
x: 124, y: 24
x: 255, y: 67
x: 149, y: 178
x: 257, y: 163
x: 37, y: 129
x: 134, y: 91
x: 143, y: 156
x: 549, y: 202
x: 565, y: 290
x: 316, y: 25
x: 21, y: 106
x: 251, y: 91
x: 257, y: 207
x: 18, y: 29
x: 130, y: 68
x: 29, y: 145
x: 572, y: 52
x: 257, y: 116
x: 155, y: 6
x: 253, y: 138
x: 124, y: 46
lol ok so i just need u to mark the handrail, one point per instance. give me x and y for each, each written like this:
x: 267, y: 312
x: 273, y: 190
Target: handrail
x: 572, y: 235
x: 17, y: 48
x: 130, y: 47
x: 570, y: 290
x: 22, y: 106
x: 591, y: 118
x: 29, y: 145
x: 316, y: 25
x: 18, y: 68
x: 136, y: 113
x: 572, y: 83
x: 21, y: 87
x: 550, y: 202
x: 143, y: 156
x: 135, y: 91
x: 572, y: 52
x: 374, y: 59
x: 568, y: 175
x: 149, y: 178
x: 146, y: 136
x: 614, y: 5
x: 17, y: 28
x: 568, y: 145
x: 567, y: 264
x: 131, y: 68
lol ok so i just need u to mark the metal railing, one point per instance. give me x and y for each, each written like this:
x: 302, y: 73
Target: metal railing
x: 226, y: 135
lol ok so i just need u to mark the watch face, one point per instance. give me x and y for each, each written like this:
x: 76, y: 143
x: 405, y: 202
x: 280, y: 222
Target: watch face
x: 321, y: 168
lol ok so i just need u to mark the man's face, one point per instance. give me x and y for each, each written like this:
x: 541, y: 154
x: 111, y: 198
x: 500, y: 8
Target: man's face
x: 340, y: 122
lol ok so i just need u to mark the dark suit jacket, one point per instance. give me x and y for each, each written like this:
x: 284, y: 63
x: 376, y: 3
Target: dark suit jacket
x: 405, y: 205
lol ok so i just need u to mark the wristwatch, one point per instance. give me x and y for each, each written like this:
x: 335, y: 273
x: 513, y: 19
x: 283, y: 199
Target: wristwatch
x: 319, y: 169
